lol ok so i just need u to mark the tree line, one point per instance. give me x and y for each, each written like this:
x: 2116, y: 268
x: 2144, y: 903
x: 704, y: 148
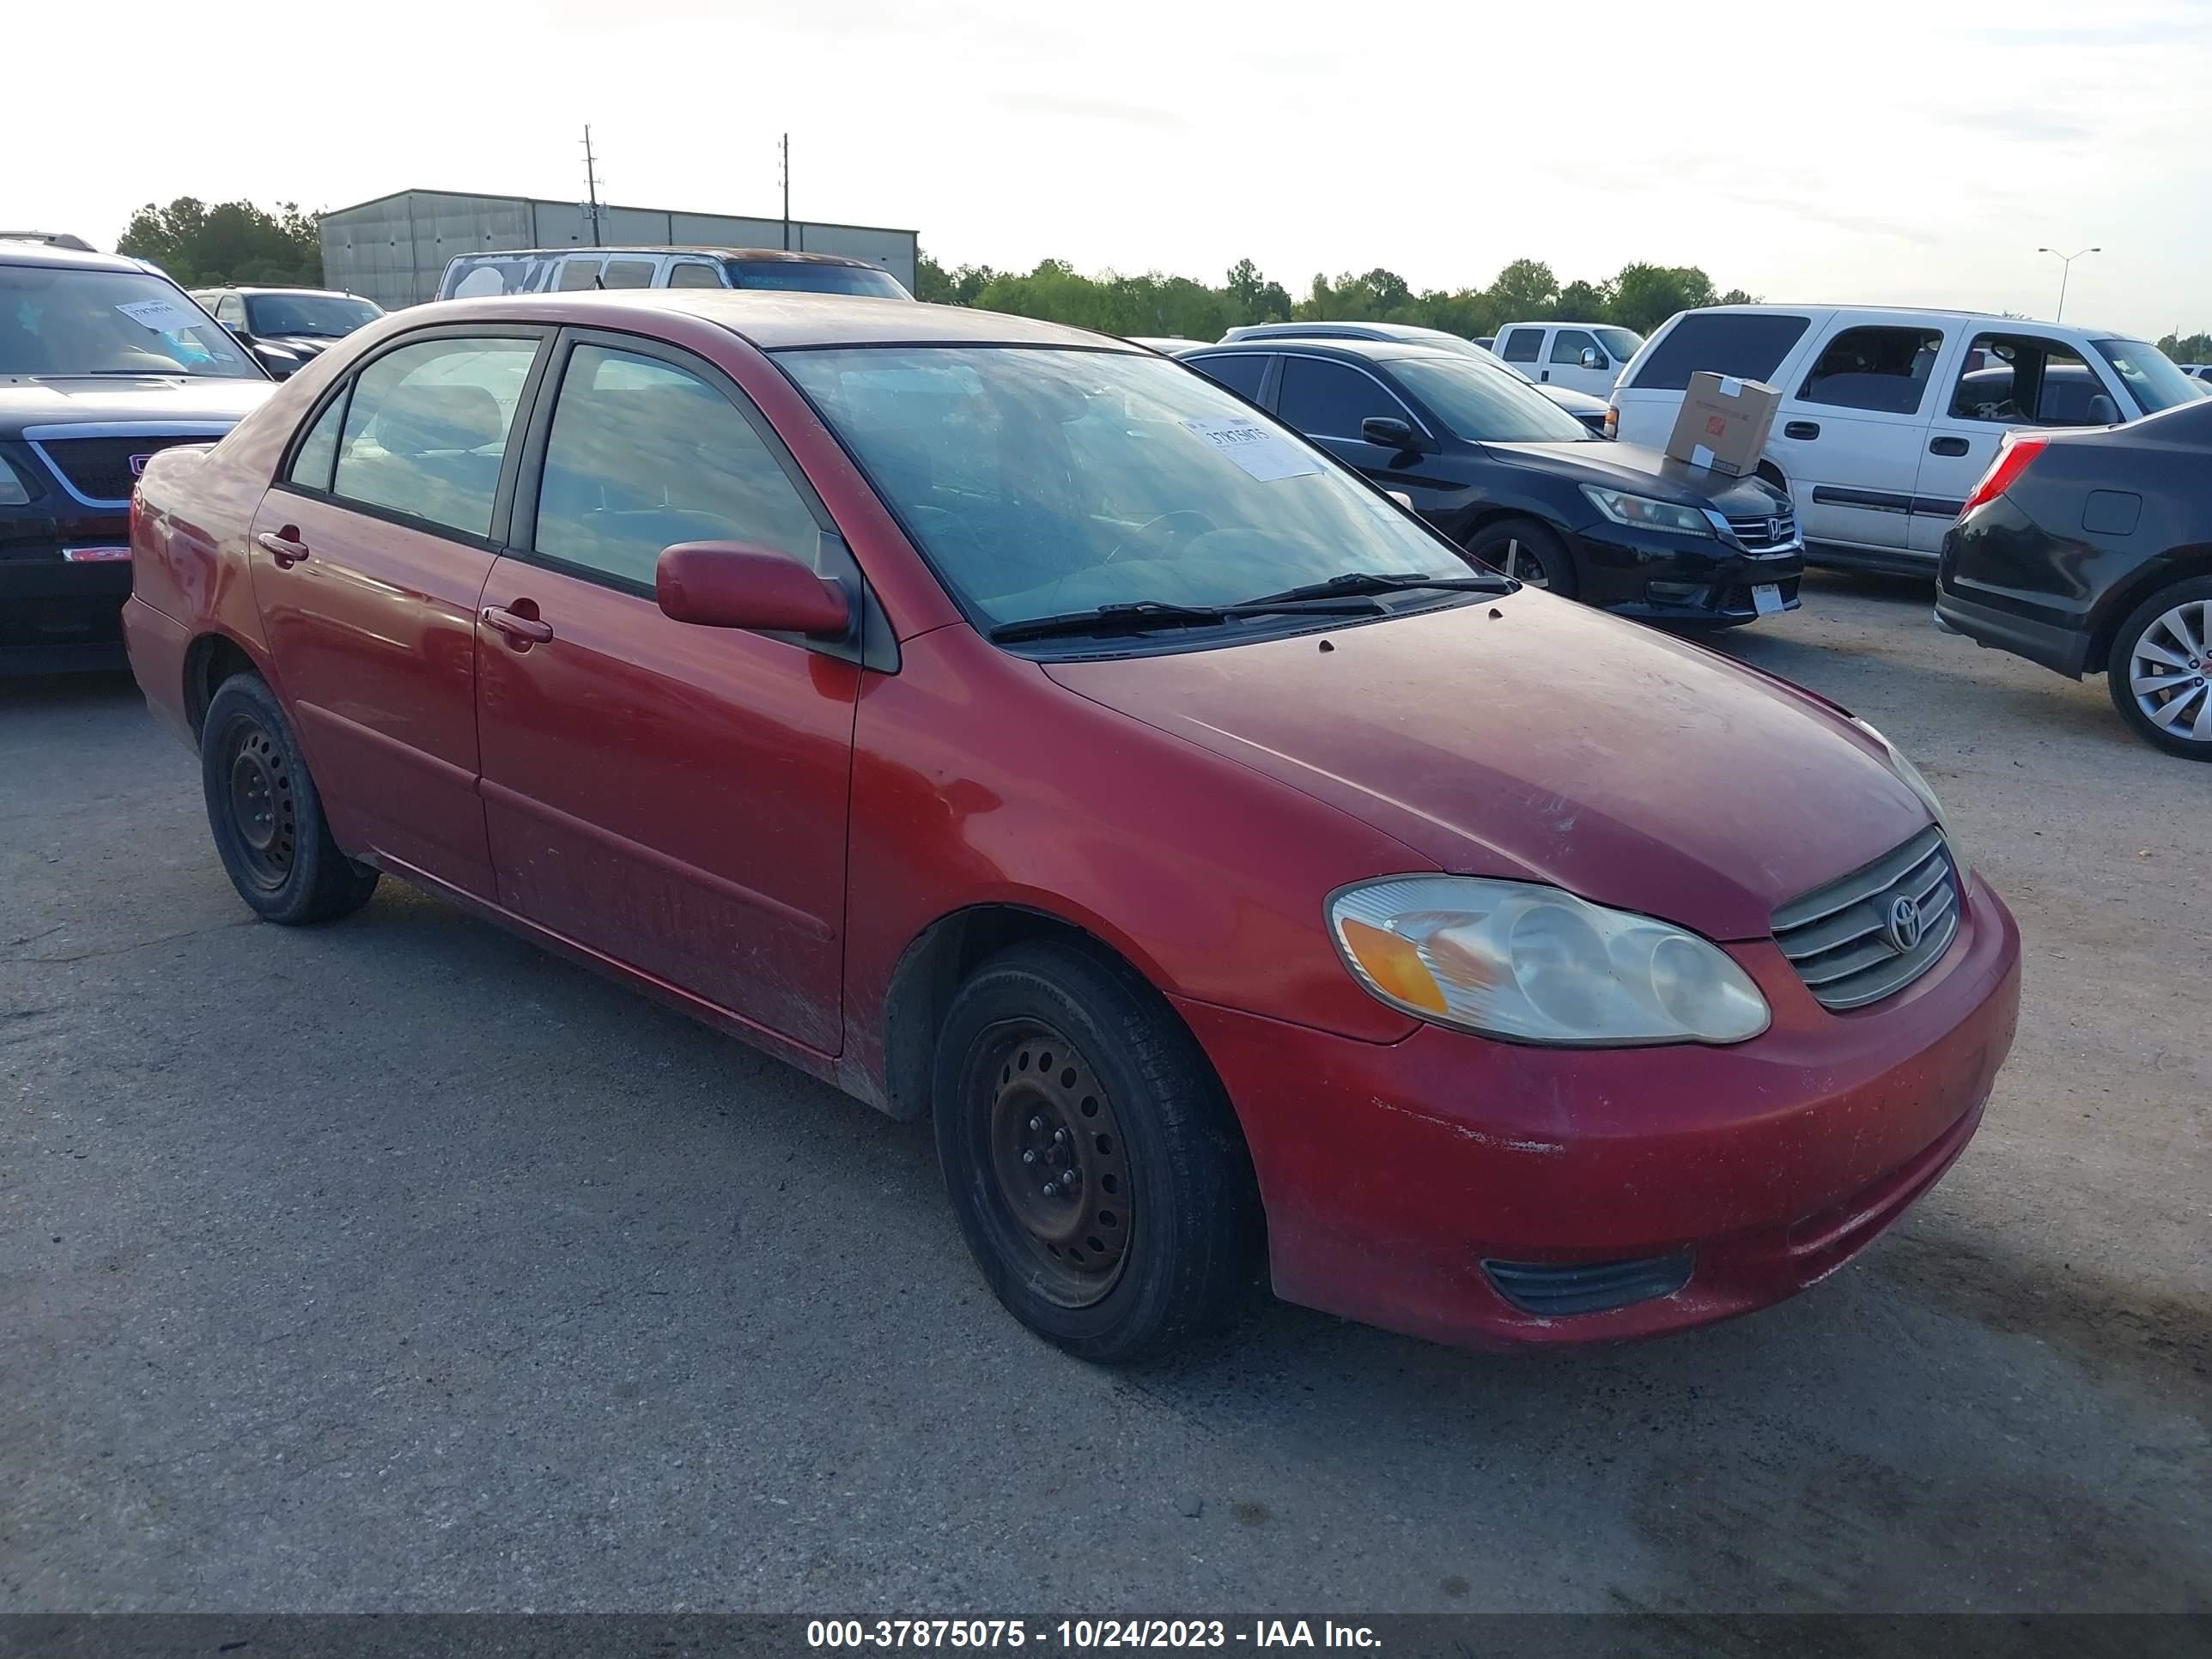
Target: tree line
x: 212, y: 246
x: 1639, y: 296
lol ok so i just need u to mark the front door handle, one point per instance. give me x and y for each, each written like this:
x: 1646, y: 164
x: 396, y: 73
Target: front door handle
x: 1806, y: 430
x: 519, y: 630
x: 283, y: 546
x: 1949, y: 447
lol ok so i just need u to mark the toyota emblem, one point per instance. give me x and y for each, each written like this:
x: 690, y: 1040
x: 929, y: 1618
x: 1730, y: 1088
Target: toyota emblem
x: 1905, y: 926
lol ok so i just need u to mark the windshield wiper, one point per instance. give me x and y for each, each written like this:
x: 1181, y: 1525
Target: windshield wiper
x: 1141, y: 615
x: 1376, y: 581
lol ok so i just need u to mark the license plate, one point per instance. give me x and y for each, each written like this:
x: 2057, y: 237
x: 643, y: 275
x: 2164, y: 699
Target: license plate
x: 1766, y: 598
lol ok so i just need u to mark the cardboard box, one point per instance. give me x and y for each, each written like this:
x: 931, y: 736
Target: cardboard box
x: 1723, y: 423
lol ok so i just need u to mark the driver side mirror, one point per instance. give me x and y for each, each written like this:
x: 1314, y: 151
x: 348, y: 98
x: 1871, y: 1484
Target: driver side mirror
x: 1593, y: 358
x: 1389, y: 433
x: 732, y: 585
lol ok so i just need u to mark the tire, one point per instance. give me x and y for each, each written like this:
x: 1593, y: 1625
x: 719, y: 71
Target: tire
x: 1531, y: 551
x: 2173, y: 622
x: 265, y: 815
x: 1062, y: 1053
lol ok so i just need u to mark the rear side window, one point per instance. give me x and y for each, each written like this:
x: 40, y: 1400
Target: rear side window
x: 643, y: 455
x: 426, y: 427
x: 1521, y: 345
x: 1240, y: 372
x: 576, y: 274
x: 1746, y: 345
x: 1883, y: 370
x: 1568, y: 344
x: 1329, y: 399
x: 626, y: 273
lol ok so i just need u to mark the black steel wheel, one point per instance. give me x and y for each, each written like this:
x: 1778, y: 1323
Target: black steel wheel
x: 1098, y: 1170
x: 265, y: 814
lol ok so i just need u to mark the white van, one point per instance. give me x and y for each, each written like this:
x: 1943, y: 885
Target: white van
x: 1889, y: 416
x: 1580, y: 356
x: 574, y: 269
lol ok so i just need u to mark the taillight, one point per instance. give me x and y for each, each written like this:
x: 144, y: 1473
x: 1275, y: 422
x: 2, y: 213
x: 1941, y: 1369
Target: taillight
x: 2013, y: 456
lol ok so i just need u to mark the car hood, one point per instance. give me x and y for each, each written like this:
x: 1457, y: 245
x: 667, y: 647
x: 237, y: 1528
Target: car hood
x: 1531, y: 738
x: 55, y: 400
x: 1575, y: 402
x: 1646, y: 472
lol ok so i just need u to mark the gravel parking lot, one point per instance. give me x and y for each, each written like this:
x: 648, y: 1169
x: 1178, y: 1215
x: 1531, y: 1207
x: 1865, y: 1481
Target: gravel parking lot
x: 395, y: 1265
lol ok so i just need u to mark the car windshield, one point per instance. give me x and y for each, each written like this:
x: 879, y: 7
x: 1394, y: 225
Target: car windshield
x: 322, y: 316
x: 58, y: 320
x: 806, y: 276
x: 1043, y: 481
x: 1622, y: 342
x: 2150, y: 373
x: 1483, y: 406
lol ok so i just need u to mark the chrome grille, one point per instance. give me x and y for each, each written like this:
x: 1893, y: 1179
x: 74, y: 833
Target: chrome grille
x: 1841, y: 939
x: 1767, y: 532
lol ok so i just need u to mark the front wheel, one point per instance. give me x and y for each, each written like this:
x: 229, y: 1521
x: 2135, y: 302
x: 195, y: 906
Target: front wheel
x: 265, y: 815
x: 2161, y: 661
x: 1528, y: 552
x: 1094, y: 1166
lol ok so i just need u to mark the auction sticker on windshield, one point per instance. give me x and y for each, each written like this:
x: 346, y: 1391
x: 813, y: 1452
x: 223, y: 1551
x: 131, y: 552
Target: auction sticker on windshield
x: 1265, y: 454
x: 159, y: 315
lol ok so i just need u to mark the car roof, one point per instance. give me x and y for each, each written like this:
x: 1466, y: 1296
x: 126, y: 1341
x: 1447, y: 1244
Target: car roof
x: 757, y: 255
x: 1909, y: 313
x: 775, y: 318
x: 1373, y: 351
x: 47, y: 254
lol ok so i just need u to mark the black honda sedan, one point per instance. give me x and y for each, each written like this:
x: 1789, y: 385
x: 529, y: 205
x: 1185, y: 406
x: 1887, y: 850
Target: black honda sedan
x: 2090, y: 551
x: 1523, y: 486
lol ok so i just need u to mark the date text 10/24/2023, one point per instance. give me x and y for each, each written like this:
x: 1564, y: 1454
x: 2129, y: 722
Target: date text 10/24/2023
x: 1086, y: 1635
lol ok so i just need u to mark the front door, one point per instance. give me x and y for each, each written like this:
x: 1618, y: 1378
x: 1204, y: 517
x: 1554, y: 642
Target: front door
x: 670, y: 796
x: 1850, y: 434
x: 1327, y: 399
x: 367, y: 559
x: 1565, y: 366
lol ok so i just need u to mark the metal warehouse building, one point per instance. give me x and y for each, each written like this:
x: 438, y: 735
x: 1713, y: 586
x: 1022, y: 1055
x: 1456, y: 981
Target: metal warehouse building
x: 394, y: 249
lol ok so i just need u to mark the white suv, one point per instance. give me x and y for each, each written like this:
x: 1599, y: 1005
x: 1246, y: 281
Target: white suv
x: 1580, y: 356
x: 1889, y: 416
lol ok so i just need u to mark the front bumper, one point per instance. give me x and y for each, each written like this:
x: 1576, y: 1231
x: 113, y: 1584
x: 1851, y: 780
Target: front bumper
x: 58, y: 615
x: 1659, y: 576
x: 1392, y: 1173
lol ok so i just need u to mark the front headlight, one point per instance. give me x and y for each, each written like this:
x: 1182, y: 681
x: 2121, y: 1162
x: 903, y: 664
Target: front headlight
x: 13, y: 491
x: 1514, y: 959
x: 1908, y: 774
x: 1645, y: 513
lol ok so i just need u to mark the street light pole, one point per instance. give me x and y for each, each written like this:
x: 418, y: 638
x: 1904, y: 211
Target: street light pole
x: 2065, y: 269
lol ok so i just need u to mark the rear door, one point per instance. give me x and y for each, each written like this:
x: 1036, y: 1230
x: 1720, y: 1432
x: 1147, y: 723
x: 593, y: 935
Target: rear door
x: 368, y: 558
x: 1523, y: 347
x: 672, y: 797
x: 1327, y: 399
x: 1849, y: 432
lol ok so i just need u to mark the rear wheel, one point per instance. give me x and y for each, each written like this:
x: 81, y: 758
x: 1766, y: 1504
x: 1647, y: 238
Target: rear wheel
x: 1528, y: 552
x: 266, y: 817
x: 1094, y: 1164
x: 2159, y: 665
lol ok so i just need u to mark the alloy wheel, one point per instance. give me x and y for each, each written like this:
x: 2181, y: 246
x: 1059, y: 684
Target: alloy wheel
x: 2167, y: 668
x: 1524, y: 567
x: 1059, y: 1165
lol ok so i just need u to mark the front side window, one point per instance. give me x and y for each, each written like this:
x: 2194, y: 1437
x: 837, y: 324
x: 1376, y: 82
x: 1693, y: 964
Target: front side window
x: 427, y: 429
x: 695, y: 273
x: 644, y: 455
x: 1622, y: 342
x: 318, y: 451
x: 2147, y: 373
x: 2024, y: 380
x: 316, y: 316
x: 1744, y: 345
x: 1043, y: 480
x: 1484, y: 406
x: 1883, y: 370
x: 1568, y: 344
x: 1240, y: 371
x: 1521, y: 345
x: 68, y: 320
x: 1329, y: 400
x: 230, y: 310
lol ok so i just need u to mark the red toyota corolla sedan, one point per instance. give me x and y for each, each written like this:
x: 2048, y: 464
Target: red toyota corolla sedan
x: 1013, y: 726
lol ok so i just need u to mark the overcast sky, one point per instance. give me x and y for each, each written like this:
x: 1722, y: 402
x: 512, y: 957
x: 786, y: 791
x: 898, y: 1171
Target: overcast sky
x: 1906, y: 153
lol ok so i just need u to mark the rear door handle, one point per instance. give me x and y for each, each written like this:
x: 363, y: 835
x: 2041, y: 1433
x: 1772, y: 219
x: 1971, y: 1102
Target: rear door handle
x: 1804, y: 429
x: 283, y: 546
x: 523, y: 630
x: 1949, y: 447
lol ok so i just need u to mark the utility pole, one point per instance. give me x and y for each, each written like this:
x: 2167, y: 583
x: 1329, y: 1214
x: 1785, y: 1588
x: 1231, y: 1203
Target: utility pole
x: 785, y: 150
x: 2065, y: 269
x: 591, y: 186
